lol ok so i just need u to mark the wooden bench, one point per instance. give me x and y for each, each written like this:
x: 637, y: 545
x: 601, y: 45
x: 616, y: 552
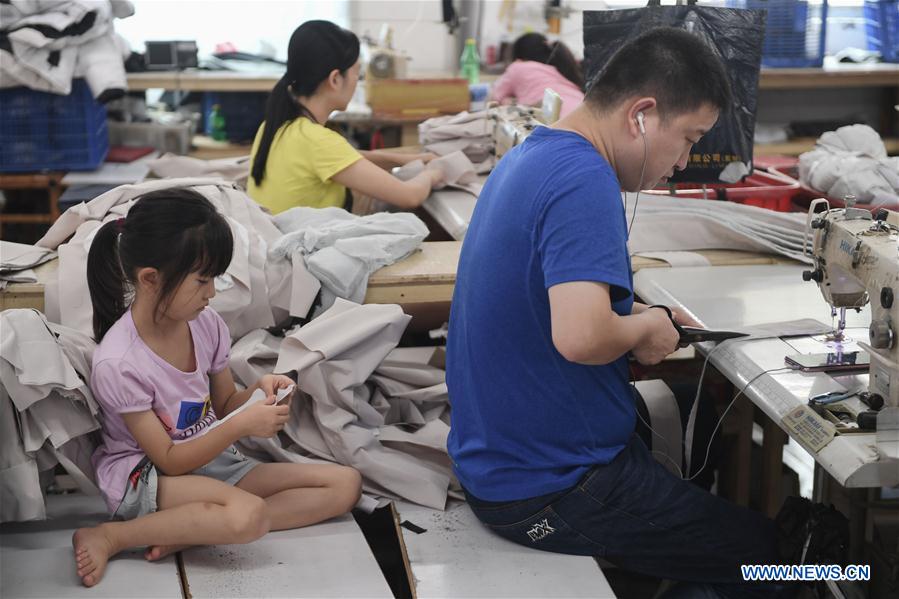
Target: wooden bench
x: 457, y: 556
x: 36, y: 558
x: 330, y: 559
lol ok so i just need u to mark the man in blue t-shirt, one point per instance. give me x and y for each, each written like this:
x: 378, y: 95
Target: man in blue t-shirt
x: 543, y: 320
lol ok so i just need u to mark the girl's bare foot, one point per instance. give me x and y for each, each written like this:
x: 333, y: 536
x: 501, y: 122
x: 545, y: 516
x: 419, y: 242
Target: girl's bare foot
x: 157, y: 552
x: 92, y: 550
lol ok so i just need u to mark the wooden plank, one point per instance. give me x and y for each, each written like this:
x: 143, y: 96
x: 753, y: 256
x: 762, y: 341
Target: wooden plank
x: 427, y: 276
x: 331, y: 559
x: 202, y: 81
x: 206, y: 148
x: 418, y: 293
x: 29, y: 295
x: 36, y: 558
x: 459, y: 557
x: 800, y: 145
x: 716, y: 258
x: 197, y: 80
x: 433, y: 262
x: 876, y: 75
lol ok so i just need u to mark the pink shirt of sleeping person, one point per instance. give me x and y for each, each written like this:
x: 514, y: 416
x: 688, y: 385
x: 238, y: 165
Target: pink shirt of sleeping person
x: 525, y: 80
x: 127, y: 376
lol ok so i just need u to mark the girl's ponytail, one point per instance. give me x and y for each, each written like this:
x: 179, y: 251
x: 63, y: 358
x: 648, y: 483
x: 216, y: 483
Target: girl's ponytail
x: 565, y: 62
x: 105, y: 278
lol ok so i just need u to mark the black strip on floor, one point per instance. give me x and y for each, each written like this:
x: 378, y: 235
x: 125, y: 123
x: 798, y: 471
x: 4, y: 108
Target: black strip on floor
x: 380, y: 532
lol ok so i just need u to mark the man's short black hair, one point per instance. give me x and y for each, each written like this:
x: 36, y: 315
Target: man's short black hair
x: 675, y: 67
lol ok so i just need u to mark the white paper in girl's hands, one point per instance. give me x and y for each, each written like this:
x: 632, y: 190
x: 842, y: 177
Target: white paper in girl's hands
x: 258, y: 395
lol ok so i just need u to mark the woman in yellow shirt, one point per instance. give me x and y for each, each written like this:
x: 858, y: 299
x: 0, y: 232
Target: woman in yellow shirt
x: 296, y: 161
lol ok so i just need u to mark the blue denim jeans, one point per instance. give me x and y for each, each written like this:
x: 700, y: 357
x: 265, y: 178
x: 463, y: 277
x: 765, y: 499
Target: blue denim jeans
x: 635, y: 514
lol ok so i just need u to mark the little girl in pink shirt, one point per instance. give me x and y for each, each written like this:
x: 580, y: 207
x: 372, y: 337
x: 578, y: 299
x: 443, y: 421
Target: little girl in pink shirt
x: 167, y: 467
x: 538, y: 65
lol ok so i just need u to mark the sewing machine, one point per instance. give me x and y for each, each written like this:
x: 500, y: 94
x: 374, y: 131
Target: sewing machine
x: 513, y: 123
x: 856, y: 261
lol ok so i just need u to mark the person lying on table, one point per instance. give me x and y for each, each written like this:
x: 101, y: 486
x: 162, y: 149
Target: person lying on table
x: 539, y: 64
x: 296, y: 160
x: 543, y: 320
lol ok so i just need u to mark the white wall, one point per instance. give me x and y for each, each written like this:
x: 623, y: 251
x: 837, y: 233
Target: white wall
x: 417, y: 29
x: 243, y: 23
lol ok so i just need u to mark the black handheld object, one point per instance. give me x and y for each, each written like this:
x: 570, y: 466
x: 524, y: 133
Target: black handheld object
x: 690, y: 335
x: 694, y: 335
x: 856, y: 360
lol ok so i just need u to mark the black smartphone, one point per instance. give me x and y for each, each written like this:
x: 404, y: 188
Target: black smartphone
x: 854, y: 360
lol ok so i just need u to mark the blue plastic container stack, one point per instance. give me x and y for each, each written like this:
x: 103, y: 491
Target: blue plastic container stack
x: 40, y: 131
x: 243, y: 112
x: 794, y: 31
x: 882, y: 28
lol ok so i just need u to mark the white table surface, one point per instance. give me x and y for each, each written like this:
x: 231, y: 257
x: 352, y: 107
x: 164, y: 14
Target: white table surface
x: 732, y: 297
x: 452, y: 209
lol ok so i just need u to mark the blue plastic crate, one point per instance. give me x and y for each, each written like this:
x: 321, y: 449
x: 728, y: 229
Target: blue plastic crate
x: 882, y: 28
x: 42, y: 131
x: 795, y: 31
x: 243, y: 112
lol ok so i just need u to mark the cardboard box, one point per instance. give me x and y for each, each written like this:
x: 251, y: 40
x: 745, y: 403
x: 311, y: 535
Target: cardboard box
x: 417, y: 97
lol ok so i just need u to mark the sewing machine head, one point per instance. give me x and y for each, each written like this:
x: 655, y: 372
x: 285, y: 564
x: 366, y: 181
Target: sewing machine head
x: 511, y: 125
x: 856, y: 262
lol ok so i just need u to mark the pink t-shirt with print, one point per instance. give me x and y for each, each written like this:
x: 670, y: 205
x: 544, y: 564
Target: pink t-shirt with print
x: 525, y: 80
x: 127, y: 376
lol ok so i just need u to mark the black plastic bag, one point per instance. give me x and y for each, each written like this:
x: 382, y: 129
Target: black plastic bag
x: 811, y: 533
x: 735, y: 35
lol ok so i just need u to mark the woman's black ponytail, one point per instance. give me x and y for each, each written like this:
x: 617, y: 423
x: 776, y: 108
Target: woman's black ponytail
x: 105, y: 279
x: 535, y: 47
x: 316, y: 48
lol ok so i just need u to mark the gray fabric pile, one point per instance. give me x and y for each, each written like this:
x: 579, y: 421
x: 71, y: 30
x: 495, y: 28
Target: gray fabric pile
x: 469, y: 132
x: 364, y: 403
x: 665, y: 223
x: 852, y: 161
x: 47, y: 411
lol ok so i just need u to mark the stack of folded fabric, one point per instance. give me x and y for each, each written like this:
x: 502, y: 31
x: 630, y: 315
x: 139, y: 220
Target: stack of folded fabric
x: 469, y: 132
x: 671, y: 225
x: 17, y: 261
x: 852, y: 161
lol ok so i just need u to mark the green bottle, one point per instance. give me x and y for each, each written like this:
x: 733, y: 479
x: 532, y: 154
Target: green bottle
x: 218, y: 123
x: 470, y: 62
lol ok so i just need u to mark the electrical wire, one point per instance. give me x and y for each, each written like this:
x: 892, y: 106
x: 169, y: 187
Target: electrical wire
x: 727, y: 409
x: 696, y: 401
x: 639, y: 187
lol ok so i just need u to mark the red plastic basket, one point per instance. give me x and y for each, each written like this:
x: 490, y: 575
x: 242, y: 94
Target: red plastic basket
x: 805, y: 194
x: 773, y: 191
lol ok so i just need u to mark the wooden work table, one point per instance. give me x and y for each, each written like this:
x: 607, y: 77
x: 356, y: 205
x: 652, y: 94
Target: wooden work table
x: 841, y: 75
x: 426, y: 277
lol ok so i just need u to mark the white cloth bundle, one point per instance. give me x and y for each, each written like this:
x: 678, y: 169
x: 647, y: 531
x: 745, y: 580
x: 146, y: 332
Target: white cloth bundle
x: 852, y: 161
x: 52, y: 42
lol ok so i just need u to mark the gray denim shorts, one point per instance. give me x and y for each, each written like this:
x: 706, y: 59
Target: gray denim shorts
x: 140, y: 493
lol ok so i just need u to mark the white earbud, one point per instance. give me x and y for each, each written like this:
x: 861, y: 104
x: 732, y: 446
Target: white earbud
x: 640, y: 123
